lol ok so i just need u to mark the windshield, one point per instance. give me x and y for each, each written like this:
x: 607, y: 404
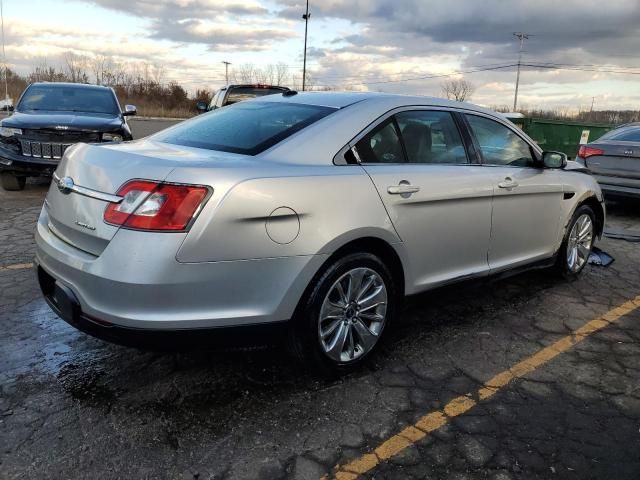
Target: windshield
x: 68, y: 99
x: 239, y: 94
x: 248, y: 128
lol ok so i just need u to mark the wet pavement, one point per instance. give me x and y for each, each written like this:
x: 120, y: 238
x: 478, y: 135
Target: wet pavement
x: 74, y: 407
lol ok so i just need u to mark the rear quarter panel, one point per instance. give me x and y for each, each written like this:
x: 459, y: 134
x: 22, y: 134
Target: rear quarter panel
x: 318, y: 208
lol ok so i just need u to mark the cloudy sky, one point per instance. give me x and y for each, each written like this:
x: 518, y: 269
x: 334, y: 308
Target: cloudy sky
x: 385, y: 45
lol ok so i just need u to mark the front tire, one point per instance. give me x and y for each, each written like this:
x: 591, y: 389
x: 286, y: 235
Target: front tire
x: 12, y: 182
x: 578, y: 242
x: 342, y: 318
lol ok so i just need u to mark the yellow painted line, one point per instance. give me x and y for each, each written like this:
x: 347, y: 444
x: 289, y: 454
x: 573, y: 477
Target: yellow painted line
x: 458, y: 406
x: 16, y: 266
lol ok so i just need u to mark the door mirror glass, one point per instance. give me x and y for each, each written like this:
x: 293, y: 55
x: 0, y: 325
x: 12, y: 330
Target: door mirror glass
x: 554, y: 159
x: 202, y: 106
x: 130, y: 110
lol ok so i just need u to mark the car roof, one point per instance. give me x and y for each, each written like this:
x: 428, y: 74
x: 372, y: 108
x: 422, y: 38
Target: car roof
x: 254, y: 85
x: 70, y: 84
x: 344, y: 99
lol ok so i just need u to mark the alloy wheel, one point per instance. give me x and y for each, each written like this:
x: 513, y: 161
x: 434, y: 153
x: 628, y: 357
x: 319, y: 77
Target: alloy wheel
x: 579, y: 243
x: 353, y: 315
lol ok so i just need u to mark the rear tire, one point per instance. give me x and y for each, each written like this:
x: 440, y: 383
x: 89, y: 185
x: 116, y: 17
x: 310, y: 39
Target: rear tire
x: 12, y: 182
x: 576, y: 247
x: 347, y: 306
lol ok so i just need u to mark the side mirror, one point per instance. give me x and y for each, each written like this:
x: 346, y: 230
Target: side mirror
x: 202, y: 106
x: 10, y: 108
x: 130, y: 110
x: 554, y: 159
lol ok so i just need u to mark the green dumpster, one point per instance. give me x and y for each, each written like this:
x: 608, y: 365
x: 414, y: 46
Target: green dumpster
x: 560, y: 135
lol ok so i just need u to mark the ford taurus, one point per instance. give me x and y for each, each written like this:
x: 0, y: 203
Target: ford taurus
x: 321, y: 210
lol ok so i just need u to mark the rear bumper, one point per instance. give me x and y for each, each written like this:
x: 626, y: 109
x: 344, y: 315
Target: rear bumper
x: 619, y: 186
x: 620, y: 191
x: 64, y: 303
x: 142, y: 287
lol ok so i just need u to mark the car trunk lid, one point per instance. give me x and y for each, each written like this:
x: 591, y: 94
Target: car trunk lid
x: 619, y: 159
x: 77, y: 216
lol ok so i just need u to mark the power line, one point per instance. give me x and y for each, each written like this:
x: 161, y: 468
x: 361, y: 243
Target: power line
x: 522, y: 37
x: 581, y: 69
x: 426, y: 77
x: 226, y: 71
x: 305, y: 17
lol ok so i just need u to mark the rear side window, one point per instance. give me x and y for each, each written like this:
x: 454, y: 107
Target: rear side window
x: 431, y: 137
x: 247, y: 128
x: 381, y: 145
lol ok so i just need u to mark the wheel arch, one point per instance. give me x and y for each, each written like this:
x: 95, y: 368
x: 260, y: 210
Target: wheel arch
x: 595, y: 205
x: 365, y: 244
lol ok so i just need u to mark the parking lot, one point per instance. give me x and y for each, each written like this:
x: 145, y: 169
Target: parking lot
x: 482, y: 380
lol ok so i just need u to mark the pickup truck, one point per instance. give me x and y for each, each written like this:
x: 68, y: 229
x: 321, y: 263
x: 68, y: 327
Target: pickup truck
x: 238, y: 93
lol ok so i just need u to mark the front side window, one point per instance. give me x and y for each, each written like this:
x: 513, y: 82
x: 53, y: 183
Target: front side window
x: 431, y: 137
x: 54, y: 98
x: 381, y: 145
x: 247, y: 128
x: 499, y: 145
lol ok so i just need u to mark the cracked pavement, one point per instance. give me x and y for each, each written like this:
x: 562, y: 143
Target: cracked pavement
x: 74, y: 407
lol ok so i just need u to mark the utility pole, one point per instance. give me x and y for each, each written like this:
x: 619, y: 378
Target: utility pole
x: 305, y: 17
x: 593, y: 99
x: 4, y: 56
x: 226, y: 71
x: 522, y: 37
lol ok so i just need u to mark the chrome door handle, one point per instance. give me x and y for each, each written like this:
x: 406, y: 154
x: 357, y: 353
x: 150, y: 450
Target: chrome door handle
x: 402, y: 189
x: 508, y: 183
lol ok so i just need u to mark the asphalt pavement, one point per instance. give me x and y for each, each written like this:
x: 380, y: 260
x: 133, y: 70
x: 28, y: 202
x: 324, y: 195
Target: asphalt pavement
x: 529, y: 377
x: 144, y: 126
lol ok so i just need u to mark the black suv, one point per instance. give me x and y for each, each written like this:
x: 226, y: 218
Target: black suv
x: 48, y: 119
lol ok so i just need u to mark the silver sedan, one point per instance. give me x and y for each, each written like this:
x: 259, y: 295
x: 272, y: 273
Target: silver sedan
x: 317, y: 211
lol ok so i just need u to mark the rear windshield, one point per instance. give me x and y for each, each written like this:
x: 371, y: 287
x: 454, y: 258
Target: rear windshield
x: 248, y: 128
x: 68, y: 99
x: 630, y: 134
x: 240, y: 94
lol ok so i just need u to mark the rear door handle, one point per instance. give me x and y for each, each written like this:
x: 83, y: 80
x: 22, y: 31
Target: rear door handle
x: 402, y: 189
x: 508, y: 183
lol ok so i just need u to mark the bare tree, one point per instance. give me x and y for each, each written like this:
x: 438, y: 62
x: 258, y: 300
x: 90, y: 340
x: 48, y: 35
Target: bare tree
x: 281, y: 70
x: 458, y: 90
x: 100, y: 66
x: 244, y: 74
x: 263, y: 75
x: 76, y: 67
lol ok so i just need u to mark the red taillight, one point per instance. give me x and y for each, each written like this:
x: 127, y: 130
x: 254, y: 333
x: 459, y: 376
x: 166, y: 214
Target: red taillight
x: 586, y: 152
x: 155, y: 206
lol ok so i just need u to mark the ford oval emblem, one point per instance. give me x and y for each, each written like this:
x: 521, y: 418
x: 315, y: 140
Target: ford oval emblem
x: 65, y: 185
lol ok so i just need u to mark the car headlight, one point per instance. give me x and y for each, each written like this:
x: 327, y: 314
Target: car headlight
x: 10, y: 132
x: 111, y: 137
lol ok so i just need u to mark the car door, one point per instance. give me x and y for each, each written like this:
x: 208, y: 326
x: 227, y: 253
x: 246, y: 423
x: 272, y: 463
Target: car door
x: 525, y: 221
x: 439, y: 202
